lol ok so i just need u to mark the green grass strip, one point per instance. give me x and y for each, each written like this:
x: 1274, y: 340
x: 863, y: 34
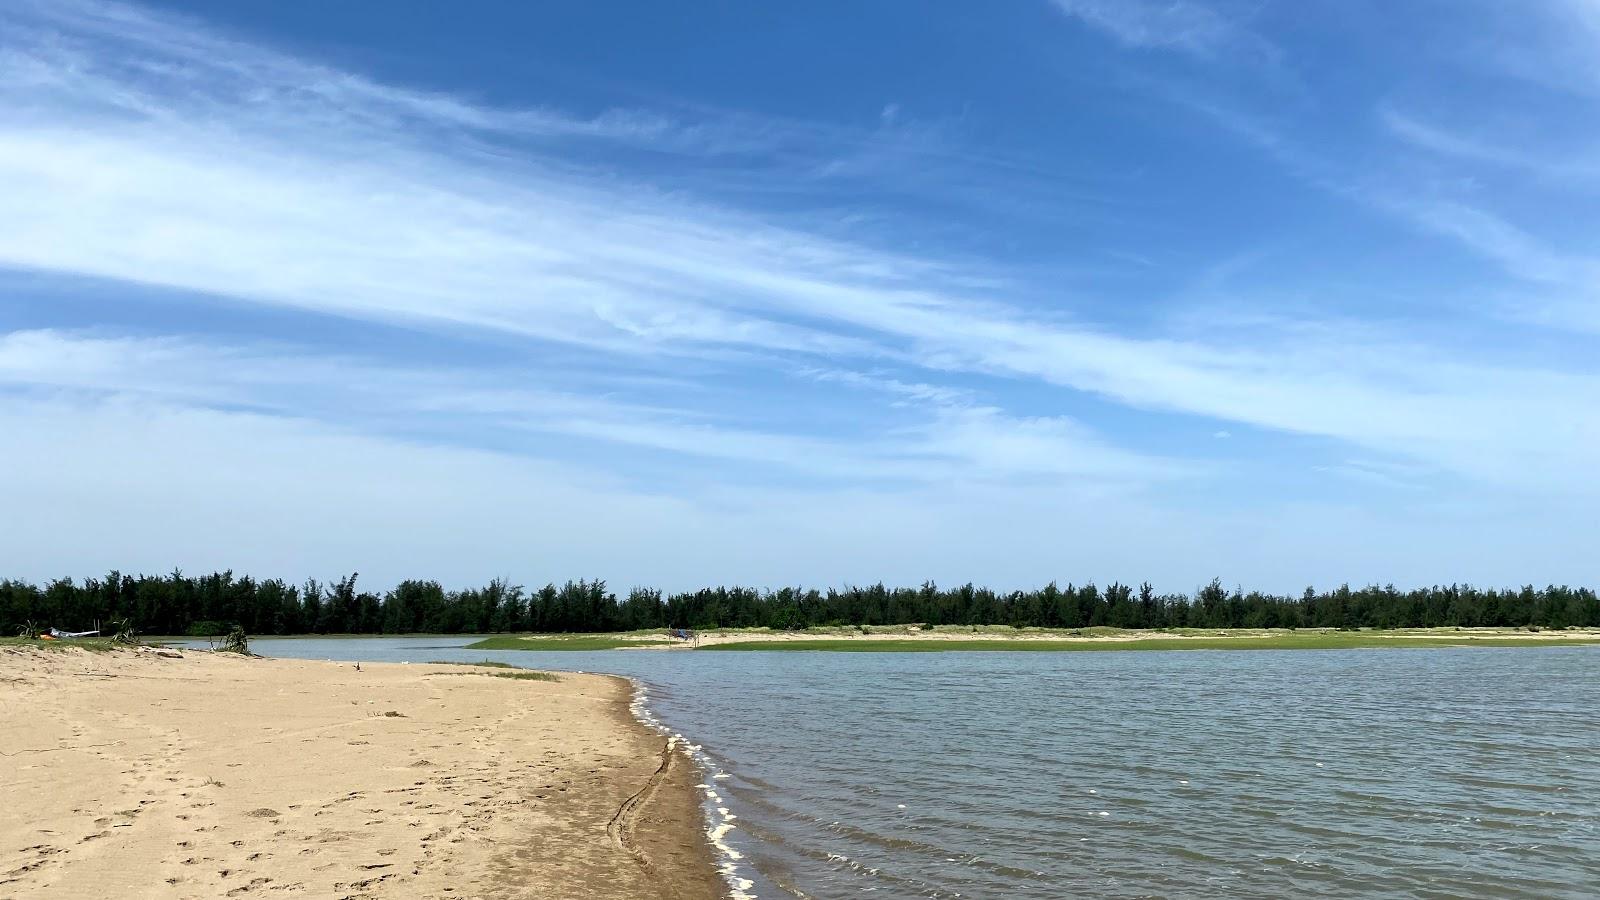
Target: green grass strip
x: 97, y: 646
x: 509, y: 671
x: 1320, y: 641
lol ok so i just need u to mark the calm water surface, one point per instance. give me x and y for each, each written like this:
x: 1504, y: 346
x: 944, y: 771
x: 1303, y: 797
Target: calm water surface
x: 1356, y: 773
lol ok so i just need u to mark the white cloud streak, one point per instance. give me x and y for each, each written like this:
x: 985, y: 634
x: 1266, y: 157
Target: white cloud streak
x: 245, y: 175
x: 952, y: 442
x: 105, y: 485
x: 1184, y: 25
x: 1449, y: 200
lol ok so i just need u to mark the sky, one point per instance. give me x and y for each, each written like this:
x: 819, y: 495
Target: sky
x: 1280, y: 292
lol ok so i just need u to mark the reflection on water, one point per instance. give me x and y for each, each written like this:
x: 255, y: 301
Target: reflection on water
x: 1358, y: 773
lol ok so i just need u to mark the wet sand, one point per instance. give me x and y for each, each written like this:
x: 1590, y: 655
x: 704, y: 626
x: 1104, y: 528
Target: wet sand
x: 128, y: 774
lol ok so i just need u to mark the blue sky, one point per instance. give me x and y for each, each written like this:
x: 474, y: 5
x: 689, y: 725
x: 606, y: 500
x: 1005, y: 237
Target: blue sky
x: 1285, y: 293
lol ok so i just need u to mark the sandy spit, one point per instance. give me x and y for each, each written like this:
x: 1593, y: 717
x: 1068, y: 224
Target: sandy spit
x: 129, y: 774
x: 713, y: 637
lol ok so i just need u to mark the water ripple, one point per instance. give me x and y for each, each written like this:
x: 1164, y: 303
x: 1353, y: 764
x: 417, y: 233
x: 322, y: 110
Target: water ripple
x: 1385, y: 773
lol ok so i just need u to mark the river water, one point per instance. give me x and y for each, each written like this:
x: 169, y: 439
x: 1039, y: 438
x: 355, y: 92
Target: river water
x: 1352, y: 773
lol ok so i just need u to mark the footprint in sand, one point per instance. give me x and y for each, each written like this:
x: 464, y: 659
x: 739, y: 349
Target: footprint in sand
x: 246, y: 888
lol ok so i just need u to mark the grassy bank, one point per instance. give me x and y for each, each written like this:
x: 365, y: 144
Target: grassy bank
x: 913, y: 639
x: 1336, y: 640
x: 97, y: 645
x: 501, y: 670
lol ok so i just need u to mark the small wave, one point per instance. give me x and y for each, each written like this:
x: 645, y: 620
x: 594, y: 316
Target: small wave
x: 730, y: 859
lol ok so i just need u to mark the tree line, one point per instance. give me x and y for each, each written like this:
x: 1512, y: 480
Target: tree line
x: 212, y: 604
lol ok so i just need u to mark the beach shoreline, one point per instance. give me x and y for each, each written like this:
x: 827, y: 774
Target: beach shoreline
x: 133, y: 773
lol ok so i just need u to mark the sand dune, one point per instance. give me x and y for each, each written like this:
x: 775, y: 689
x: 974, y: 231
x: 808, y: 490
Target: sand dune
x: 127, y: 774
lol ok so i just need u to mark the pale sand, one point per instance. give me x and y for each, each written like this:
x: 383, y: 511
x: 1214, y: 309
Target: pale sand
x: 126, y: 774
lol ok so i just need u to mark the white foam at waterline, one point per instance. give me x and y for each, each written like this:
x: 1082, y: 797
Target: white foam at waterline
x: 717, y: 834
x: 738, y: 886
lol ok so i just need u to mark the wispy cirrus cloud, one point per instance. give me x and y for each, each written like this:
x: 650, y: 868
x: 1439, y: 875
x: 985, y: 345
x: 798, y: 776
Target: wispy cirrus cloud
x: 119, y: 57
x: 1186, y: 25
x: 949, y: 438
x: 249, y: 175
x: 271, y: 495
x: 1548, y: 44
x: 703, y: 362
x: 1562, y: 161
x: 1469, y: 187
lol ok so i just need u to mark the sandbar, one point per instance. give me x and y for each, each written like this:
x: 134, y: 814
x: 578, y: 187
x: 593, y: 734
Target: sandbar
x: 133, y: 774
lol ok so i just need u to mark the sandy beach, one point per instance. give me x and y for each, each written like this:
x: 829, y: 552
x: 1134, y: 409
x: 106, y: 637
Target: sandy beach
x: 131, y: 774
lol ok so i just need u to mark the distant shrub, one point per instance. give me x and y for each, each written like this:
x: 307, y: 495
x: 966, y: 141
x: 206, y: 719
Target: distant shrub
x: 236, y: 642
x: 123, y: 632
x: 207, y: 628
x: 528, y: 676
